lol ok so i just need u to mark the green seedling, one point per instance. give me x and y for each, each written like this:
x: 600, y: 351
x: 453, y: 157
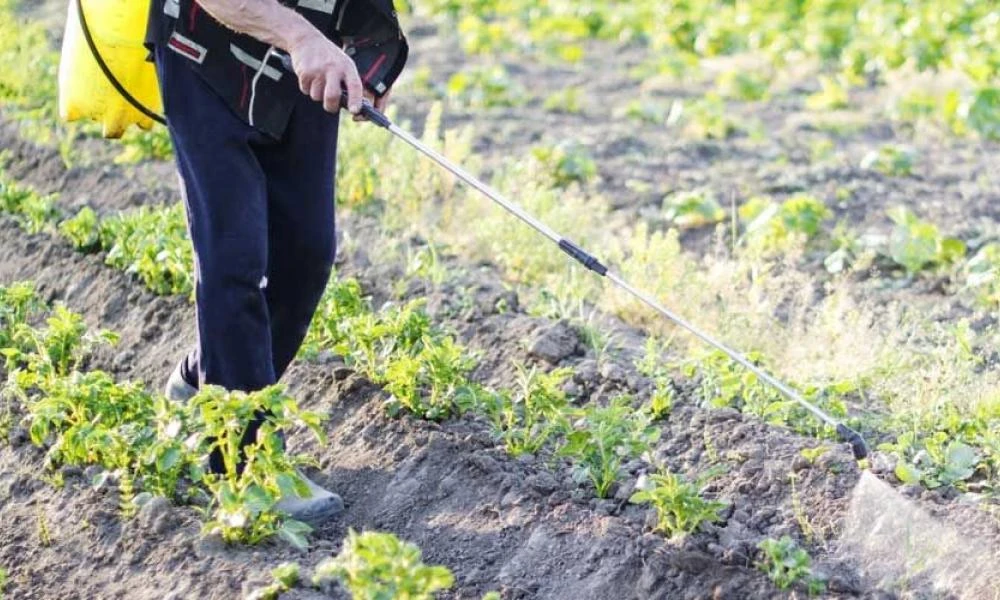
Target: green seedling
x: 661, y: 401
x: 83, y: 230
x: 786, y: 565
x: 141, y: 145
x: 567, y: 101
x: 680, y: 507
x: 529, y: 416
x: 832, y: 95
x: 693, y: 209
x: 32, y: 211
x: 742, y: 85
x: 774, y: 227
x: 285, y: 575
x: 377, y: 566
x: 982, y: 274
x: 890, y: 160
x: 600, y: 439
x: 933, y: 460
x: 916, y: 244
x: 485, y: 87
x: 566, y: 163
x: 153, y: 244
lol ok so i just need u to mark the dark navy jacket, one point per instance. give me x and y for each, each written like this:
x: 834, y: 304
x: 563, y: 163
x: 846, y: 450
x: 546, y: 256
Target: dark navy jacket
x: 232, y: 63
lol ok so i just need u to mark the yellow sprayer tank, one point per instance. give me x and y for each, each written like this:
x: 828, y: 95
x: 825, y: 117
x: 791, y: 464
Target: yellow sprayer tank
x: 118, y: 28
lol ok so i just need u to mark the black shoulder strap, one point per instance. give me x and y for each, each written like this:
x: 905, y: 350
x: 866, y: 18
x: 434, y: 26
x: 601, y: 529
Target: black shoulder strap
x: 139, y: 106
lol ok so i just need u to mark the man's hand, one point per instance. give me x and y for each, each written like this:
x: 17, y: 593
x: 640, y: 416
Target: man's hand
x: 380, y: 104
x: 324, y: 71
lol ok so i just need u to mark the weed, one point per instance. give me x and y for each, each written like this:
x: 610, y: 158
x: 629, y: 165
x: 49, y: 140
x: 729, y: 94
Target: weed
x: 285, y: 576
x: 42, y: 529
x: 602, y: 438
x: 786, y: 565
x: 679, y: 505
x: 373, y: 565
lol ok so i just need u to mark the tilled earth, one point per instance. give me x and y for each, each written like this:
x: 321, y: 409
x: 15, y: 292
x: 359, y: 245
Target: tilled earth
x: 521, y: 526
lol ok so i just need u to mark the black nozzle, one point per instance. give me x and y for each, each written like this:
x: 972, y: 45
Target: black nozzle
x: 858, y: 445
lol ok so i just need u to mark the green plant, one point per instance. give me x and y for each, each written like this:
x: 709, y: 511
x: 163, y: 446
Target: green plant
x: 433, y: 383
x: 256, y: 476
x: 141, y: 145
x: 742, y: 85
x: 773, y: 227
x: 485, y: 87
x: 602, y: 438
x: 693, y: 209
x: 379, y: 566
x: 661, y: 401
x: 935, y: 459
x: 680, y: 507
x: 83, y: 230
x: 153, y: 244
x: 526, y: 418
x: 566, y: 163
x: 891, y: 160
x: 32, y: 211
x: 567, y: 100
x: 285, y: 576
x: 982, y: 274
x: 786, y: 564
x: 703, y: 119
x: 3, y: 581
x: 832, y: 95
x: 916, y: 244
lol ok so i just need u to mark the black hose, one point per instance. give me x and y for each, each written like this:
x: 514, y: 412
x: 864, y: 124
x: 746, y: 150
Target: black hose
x: 139, y: 106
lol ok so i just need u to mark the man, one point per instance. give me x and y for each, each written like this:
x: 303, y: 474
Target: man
x: 255, y: 146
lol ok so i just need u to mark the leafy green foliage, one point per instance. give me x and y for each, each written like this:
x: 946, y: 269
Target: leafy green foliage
x: 83, y: 231
x: 567, y: 163
x: 679, y: 505
x: 286, y: 576
x: 245, y: 499
x: 833, y: 94
x: 934, y: 460
x: 528, y: 417
x: 602, y: 438
x: 786, y: 564
x: 32, y: 211
x: 693, y: 209
x: 377, y: 566
x: 724, y: 383
x: 982, y: 274
x: 485, y: 87
x: 425, y: 371
x: 568, y: 101
x: 891, y: 160
x: 774, y: 227
x: 141, y: 145
x: 742, y: 85
x: 916, y: 244
x: 28, y: 70
x: 153, y: 244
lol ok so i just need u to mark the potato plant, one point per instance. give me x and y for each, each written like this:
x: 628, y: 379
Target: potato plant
x: 526, y: 418
x: 376, y: 566
x: 679, y: 505
x: 786, y: 565
x: 600, y: 439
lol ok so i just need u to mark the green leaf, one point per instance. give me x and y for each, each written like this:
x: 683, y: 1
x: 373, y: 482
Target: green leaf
x: 295, y: 532
x: 907, y: 473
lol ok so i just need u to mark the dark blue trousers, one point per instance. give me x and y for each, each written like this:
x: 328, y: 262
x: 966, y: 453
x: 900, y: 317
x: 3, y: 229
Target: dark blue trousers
x: 261, y: 217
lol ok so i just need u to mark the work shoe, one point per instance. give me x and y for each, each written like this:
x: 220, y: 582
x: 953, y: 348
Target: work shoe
x: 321, y: 505
x: 178, y: 389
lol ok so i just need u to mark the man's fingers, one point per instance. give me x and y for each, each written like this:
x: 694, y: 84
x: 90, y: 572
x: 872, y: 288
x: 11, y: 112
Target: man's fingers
x: 317, y: 89
x: 332, y: 98
x: 355, y: 92
x: 305, y: 84
x: 382, y: 103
